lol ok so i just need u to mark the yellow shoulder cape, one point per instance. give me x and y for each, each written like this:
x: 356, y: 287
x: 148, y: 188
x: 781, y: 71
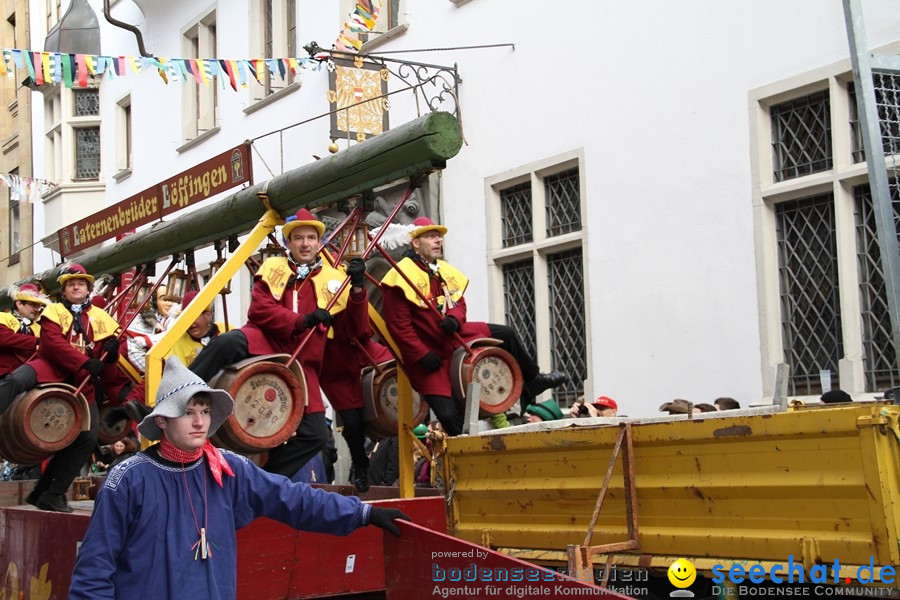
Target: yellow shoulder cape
x: 455, y: 280
x: 327, y: 281
x: 9, y: 320
x: 276, y: 272
x: 187, y: 348
x: 102, y: 324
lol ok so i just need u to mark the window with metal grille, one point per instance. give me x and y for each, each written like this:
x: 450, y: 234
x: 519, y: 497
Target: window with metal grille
x: 567, y: 327
x: 809, y: 291
x: 563, y: 202
x: 87, y: 153
x: 515, y: 214
x: 541, y: 240
x: 887, y: 101
x: 879, y: 358
x: 857, y: 151
x: 87, y: 102
x: 518, y: 300
x: 801, y: 136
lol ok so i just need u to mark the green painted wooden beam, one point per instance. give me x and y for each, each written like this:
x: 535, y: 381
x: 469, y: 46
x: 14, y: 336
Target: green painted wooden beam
x: 409, y: 150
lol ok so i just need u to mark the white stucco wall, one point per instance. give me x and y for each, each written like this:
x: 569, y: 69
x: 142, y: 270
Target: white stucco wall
x: 654, y: 94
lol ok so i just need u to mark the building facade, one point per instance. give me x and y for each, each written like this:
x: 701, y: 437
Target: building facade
x: 16, y: 254
x: 616, y: 199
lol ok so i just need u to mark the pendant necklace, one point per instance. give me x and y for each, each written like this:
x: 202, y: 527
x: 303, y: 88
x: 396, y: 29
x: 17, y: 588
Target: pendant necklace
x: 201, y: 547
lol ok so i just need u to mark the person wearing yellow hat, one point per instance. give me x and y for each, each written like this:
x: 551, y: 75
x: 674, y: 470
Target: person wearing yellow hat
x: 74, y: 334
x: 19, y: 329
x: 426, y: 341
x: 288, y: 303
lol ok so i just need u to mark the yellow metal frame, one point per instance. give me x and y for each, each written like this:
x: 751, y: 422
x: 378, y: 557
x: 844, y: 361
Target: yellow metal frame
x: 404, y: 409
x: 157, y: 354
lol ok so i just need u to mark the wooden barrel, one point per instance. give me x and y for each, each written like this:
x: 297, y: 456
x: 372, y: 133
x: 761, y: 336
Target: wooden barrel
x: 112, y: 433
x: 41, y: 422
x: 269, y: 400
x: 380, y: 401
x: 494, y: 368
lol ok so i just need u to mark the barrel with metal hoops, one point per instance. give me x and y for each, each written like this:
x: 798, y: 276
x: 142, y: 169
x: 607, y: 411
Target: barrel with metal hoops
x: 492, y: 367
x: 41, y: 422
x: 269, y: 400
x: 380, y: 401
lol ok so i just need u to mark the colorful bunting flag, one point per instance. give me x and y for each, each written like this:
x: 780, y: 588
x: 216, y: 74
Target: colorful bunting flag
x: 76, y: 69
x: 26, y: 189
x: 362, y: 20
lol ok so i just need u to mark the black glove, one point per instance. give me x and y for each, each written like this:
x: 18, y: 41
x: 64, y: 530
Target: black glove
x: 449, y: 324
x: 111, y: 347
x: 320, y: 315
x: 431, y: 362
x: 384, y: 518
x: 93, y: 366
x: 356, y: 271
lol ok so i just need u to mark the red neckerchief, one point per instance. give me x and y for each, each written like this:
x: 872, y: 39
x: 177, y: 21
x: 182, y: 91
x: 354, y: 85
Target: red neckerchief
x: 215, y: 460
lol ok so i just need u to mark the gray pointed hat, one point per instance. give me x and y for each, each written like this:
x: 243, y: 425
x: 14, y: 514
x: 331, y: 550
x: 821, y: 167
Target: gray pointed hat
x: 176, y: 389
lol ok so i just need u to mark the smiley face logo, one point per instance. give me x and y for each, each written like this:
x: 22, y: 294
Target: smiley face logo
x: 682, y: 573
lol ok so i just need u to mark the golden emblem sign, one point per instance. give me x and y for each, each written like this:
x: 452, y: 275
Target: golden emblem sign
x: 356, y: 92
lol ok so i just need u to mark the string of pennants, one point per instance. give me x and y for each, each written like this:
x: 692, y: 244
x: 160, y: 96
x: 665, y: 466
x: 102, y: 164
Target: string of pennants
x: 76, y: 69
x: 362, y: 20
x: 25, y: 189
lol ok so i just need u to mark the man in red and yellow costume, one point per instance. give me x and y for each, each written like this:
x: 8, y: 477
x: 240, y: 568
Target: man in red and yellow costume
x: 74, y: 335
x: 19, y: 330
x: 427, y: 341
x: 290, y: 294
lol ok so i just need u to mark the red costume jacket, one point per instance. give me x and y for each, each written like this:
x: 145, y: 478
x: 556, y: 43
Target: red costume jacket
x: 275, y: 319
x: 15, y: 347
x: 415, y: 328
x: 58, y: 360
x: 342, y: 367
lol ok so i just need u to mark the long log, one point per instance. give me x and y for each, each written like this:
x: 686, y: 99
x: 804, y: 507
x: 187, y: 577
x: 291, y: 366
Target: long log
x: 408, y: 150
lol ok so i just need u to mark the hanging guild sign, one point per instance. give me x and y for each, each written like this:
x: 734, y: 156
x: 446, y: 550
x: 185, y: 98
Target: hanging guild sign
x: 220, y: 173
x: 357, y: 91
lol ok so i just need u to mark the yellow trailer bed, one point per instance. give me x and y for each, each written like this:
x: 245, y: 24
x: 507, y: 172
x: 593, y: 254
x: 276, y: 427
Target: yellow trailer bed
x: 753, y: 486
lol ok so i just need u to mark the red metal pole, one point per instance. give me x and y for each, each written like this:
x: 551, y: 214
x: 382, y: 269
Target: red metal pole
x: 138, y: 279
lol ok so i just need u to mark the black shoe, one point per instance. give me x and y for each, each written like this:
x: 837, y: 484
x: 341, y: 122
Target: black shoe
x: 32, y: 497
x: 545, y: 381
x: 360, y: 480
x: 54, y: 502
